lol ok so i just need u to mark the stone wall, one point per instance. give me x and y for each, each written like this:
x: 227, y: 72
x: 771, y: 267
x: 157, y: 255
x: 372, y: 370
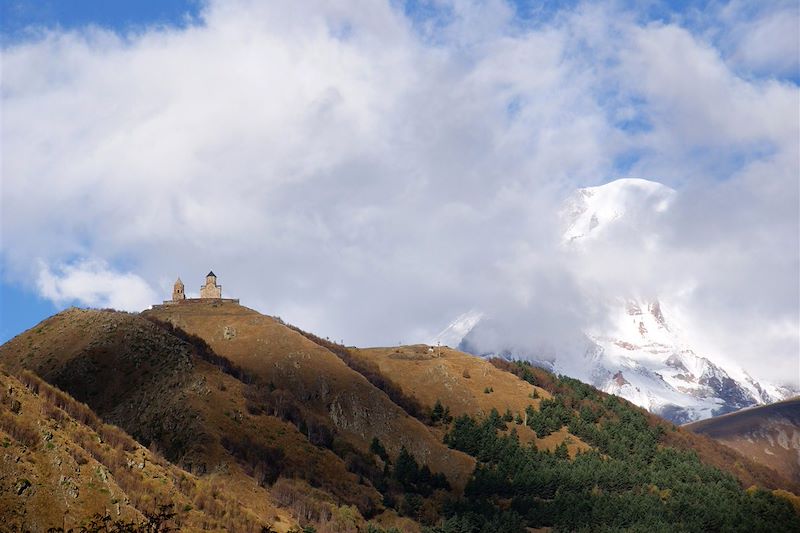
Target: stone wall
x: 195, y: 301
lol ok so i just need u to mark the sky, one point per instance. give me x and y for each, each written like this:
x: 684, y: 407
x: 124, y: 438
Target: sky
x: 372, y: 170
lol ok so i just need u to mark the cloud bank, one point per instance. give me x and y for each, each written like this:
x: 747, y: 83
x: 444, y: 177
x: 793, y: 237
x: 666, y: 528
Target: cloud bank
x: 370, y: 172
x: 93, y: 283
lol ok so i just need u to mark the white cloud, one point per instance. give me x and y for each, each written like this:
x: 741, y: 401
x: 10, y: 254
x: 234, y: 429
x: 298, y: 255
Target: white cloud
x: 763, y: 38
x: 93, y: 283
x: 339, y: 169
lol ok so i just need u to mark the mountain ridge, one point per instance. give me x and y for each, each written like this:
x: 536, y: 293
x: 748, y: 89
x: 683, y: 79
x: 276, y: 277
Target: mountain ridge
x: 769, y: 434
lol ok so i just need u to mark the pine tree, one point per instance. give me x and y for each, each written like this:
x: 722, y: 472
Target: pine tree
x: 447, y: 417
x: 377, y: 448
x: 437, y: 413
x: 406, y: 469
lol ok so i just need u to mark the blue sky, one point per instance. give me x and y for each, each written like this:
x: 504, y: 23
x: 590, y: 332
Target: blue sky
x: 325, y: 156
x: 21, y: 307
x: 19, y: 17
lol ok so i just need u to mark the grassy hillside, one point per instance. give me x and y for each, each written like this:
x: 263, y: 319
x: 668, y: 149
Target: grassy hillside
x: 634, y: 478
x: 321, y: 385
x: 580, y: 397
x: 465, y: 384
x: 769, y: 435
x: 62, y: 466
x: 245, y: 422
x: 159, y: 389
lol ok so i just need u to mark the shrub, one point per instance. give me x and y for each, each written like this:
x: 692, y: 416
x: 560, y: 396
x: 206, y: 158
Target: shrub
x: 116, y: 438
x: 19, y: 430
x: 263, y: 463
x: 377, y: 448
x: 440, y: 413
x: 159, y: 520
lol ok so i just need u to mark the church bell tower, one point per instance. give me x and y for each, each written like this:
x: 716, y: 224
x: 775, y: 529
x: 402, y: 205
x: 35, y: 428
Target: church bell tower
x: 211, y: 289
x: 178, y: 293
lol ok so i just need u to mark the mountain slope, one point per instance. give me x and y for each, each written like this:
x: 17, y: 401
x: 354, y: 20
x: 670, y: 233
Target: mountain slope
x: 262, y: 424
x: 273, y: 415
x: 155, y: 385
x: 45, y: 467
x: 768, y: 434
x: 319, y: 379
x: 643, y: 474
x: 61, y: 465
x: 466, y: 385
x: 645, y: 358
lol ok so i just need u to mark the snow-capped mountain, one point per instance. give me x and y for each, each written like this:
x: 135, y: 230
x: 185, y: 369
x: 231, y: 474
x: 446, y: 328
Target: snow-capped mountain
x: 631, y: 202
x: 646, y: 357
x: 455, y: 332
x: 641, y: 350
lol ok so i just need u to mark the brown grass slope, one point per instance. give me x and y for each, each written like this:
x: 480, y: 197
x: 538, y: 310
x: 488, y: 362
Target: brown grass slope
x: 465, y: 384
x: 137, y: 375
x: 130, y: 372
x: 459, y: 381
x: 47, y: 478
x: 319, y: 380
x: 61, y: 465
x: 769, y: 435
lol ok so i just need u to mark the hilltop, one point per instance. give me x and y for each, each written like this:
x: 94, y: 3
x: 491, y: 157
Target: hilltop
x: 246, y: 423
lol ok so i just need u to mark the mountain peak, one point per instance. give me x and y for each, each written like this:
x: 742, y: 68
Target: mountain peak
x: 590, y: 211
x: 455, y: 332
x: 642, y: 348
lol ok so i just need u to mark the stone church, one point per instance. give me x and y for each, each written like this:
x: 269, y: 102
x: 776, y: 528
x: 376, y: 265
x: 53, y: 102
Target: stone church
x: 209, y: 291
